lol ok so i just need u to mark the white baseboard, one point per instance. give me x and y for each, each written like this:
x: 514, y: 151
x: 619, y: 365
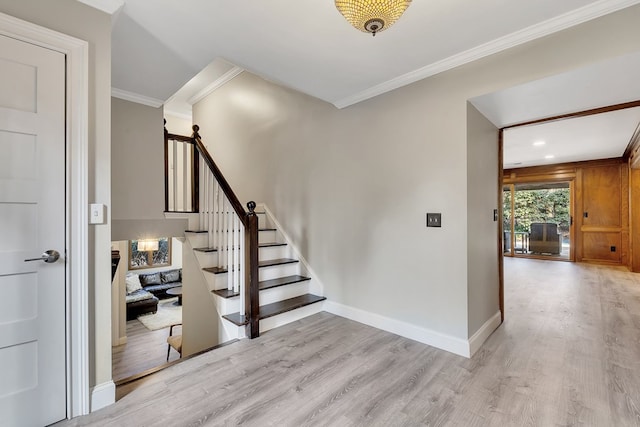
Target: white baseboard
x: 103, y: 395
x: 426, y: 336
x: 481, y: 335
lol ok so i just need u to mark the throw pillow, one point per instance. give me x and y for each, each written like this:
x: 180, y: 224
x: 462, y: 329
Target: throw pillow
x: 170, y: 276
x: 133, y: 283
x: 150, y: 279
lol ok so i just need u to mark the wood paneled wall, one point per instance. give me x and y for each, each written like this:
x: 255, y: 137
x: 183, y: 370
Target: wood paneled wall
x: 601, y: 207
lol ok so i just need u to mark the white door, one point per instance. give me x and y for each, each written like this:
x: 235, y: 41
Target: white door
x: 32, y: 220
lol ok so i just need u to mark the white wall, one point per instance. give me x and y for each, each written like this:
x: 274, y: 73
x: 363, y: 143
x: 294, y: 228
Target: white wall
x: 137, y: 173
x: 482, y: 230
x: 178, y: 125
x: 83, y: 22
x: 352, y: 186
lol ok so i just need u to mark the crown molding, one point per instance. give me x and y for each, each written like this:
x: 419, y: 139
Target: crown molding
x: 222, y: 80
x: 109, y: 6
x: 137, y: 98
x: 178, y: 114
x: 550, y: 26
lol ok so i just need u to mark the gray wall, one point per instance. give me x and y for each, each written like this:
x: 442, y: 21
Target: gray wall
x: 482, y: 230
x: 137, y: 173
x: 352, y: 186
x: 85, y: 23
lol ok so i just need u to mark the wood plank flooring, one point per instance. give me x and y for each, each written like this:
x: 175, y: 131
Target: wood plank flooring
x: 568, y: 354
x: 144, y: 350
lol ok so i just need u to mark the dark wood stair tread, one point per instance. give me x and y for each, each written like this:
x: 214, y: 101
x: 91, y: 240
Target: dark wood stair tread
x: 271, y: 244
x: 215, y: 270
x: 277, y: 261
x: 205, y: 231
x: 265, y: 284
x: 225, y: 293
x: 205, y: 249
x: 261, y: 245
x: 281, y: 281
x: 276, y: 308
x: 266, y: 263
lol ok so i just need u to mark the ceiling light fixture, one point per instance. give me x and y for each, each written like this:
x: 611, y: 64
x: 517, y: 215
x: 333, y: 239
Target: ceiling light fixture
x: 372, y: 16
x: 539, y: 143
x: 549, y: 156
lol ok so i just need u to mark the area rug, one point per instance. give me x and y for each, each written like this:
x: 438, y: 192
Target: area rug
x: 168, y: 314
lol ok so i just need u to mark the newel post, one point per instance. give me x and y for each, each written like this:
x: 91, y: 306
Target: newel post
x: 252, y: 302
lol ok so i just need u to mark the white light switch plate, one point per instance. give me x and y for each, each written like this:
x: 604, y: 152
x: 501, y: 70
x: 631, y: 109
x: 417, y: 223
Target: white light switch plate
x: 96, y: 213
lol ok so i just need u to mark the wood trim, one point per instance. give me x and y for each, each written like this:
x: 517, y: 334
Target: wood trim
x: 577, y: 215
x: 559, y: 171
x: 631, y: 152
x: 584, y: 113
x: 181, y: 138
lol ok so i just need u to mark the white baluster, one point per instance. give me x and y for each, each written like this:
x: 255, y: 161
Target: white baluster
x: 236, y: 253
x: 213, y: 230
x: 174, y: 177
x: 212, y: 211
x: 201, y: 196
x: 230, y: 266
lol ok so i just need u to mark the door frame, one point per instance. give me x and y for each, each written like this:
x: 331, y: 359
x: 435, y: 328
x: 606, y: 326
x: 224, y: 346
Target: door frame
x: 76, y: 52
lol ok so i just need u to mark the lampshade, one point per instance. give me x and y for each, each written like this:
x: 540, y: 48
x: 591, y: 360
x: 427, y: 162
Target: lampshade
x: 147, y: 245
x: 372, y: 16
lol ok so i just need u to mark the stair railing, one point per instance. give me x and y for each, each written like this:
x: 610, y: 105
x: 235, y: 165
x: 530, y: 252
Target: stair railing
x: 181, y: 164
x: 231, y: 231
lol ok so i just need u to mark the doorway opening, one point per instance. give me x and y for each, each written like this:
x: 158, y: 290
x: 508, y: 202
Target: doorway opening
x: 537, y: 220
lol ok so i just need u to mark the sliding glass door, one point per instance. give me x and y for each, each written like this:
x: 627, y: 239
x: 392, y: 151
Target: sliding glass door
x: 537, y: 219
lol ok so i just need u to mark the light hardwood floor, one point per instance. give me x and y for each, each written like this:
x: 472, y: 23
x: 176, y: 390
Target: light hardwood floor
x: 568, y: 354
x: 144, y: 350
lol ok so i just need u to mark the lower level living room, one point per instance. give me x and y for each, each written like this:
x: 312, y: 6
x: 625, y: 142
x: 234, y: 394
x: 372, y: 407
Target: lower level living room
x: 147, y: 306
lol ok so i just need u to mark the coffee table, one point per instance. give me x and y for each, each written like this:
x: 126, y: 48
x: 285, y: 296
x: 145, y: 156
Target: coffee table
x: 177, y: 292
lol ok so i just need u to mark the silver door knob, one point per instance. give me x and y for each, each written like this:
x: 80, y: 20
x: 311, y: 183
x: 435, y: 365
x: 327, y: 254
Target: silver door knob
x: 48, y: 256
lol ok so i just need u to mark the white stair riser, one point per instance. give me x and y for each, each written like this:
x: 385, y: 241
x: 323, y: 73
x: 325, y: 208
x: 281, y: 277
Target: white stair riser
x: 262, y: 221
x: 217, y: 281
x: 207, y: 259
x: 290, y: 316
x: 227, y: 305
x: 197, y: 240
x: 273, y: 252
x: 282, y: 270
x: 267, y: 296
x: 267, y: 236
x: 281, y: 293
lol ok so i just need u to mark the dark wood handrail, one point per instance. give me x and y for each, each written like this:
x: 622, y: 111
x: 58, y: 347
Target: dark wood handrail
x: 224, y: 185
x: 249, y: 220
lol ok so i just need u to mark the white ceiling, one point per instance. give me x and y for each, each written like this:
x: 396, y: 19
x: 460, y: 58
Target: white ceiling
x: 600, y: 136
x: 308, y: 45
x: 193, y: 46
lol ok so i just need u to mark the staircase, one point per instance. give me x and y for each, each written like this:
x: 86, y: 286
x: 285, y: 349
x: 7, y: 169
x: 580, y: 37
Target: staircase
x: 256, y: 278
x: 285, y: 286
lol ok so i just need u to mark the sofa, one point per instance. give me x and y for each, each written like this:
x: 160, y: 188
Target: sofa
x: 159, y: 282
x: 145, y: 290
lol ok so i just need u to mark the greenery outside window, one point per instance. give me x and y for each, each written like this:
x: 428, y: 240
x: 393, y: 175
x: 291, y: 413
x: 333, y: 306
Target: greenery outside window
x: 147, y: 254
